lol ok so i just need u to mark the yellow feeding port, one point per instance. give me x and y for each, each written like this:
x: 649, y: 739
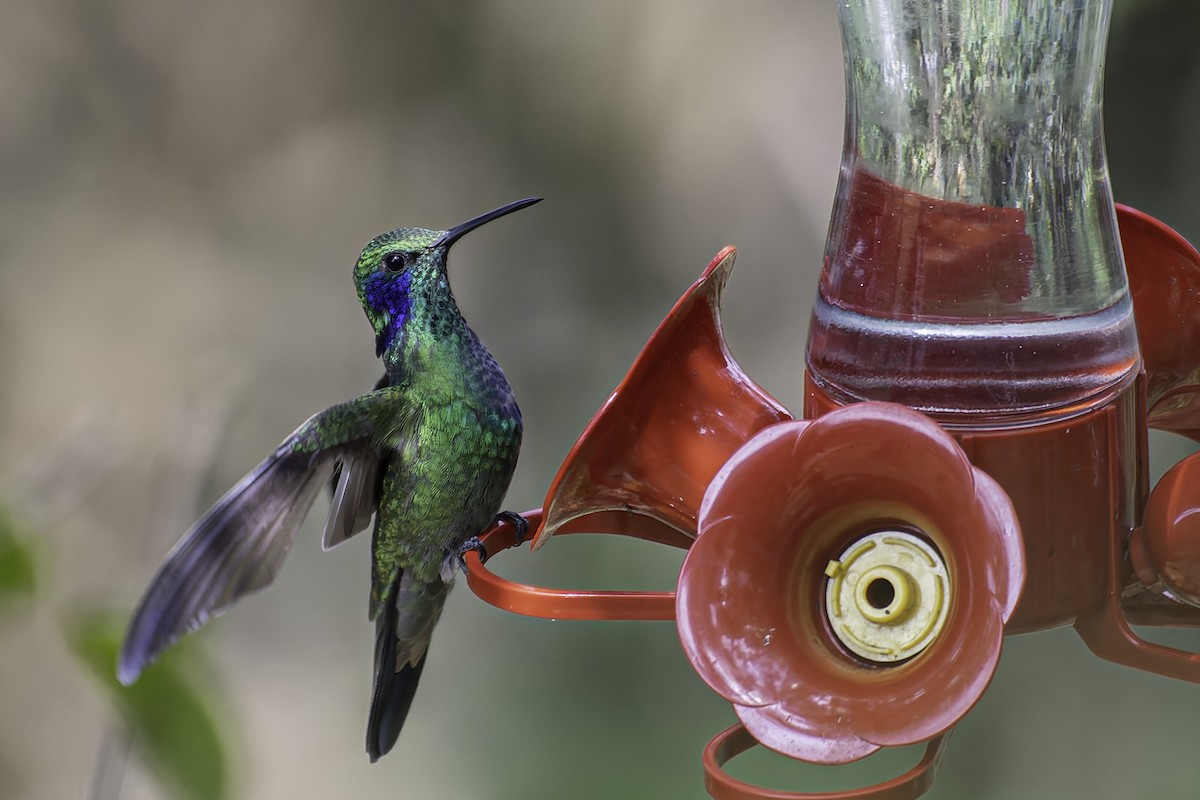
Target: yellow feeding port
x: 887, y: 596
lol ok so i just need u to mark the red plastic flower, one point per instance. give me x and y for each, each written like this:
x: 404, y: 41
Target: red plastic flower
x: 864, y: 531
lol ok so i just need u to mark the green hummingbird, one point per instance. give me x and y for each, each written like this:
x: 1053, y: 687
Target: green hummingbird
x: 429, y: 453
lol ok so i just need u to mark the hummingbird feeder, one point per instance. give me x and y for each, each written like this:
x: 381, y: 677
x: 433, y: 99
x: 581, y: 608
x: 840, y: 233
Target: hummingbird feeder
x: 991, y: 340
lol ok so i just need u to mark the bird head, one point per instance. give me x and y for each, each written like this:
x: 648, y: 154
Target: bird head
x: 396, y: 264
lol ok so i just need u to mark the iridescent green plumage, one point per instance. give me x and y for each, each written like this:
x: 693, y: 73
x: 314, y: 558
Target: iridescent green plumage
x: 429, y: 453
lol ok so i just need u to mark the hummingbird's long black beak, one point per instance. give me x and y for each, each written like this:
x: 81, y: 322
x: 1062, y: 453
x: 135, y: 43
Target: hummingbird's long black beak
x: 458, y: 231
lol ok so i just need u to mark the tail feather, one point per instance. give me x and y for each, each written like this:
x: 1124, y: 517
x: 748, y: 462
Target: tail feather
x: 394, y: 689
x: 403, y: 631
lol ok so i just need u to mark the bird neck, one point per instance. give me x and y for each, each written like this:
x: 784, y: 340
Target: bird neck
x: 431, y: 334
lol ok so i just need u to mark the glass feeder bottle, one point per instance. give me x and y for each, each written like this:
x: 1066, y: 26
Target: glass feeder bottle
x: 973, y: 268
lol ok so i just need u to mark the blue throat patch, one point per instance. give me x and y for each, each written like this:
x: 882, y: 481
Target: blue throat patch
x: 390, y: 296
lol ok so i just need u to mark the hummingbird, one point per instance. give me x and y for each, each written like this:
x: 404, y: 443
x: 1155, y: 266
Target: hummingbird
x: 429, y: 453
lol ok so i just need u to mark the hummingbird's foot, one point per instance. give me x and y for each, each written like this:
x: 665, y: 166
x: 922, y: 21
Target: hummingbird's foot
x: 517, y: 521
x: 473, y: 543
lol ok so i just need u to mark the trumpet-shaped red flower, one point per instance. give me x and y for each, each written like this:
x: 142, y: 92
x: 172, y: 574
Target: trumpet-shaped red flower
x: 789, y: 515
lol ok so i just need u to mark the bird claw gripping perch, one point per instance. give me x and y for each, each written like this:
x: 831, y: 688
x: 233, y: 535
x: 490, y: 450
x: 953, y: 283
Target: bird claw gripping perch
x: 474, y: 544
x: 520, y: 528
x: 519, y: 523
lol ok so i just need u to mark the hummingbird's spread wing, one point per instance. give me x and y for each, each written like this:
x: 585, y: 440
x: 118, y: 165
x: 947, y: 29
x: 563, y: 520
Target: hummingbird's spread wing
x: 233, y: 550
x: 238, y: 546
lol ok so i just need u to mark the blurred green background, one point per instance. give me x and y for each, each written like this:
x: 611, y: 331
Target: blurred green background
x: 183, y: 190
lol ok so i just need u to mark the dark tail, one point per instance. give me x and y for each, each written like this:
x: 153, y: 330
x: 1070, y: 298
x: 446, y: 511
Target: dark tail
x: 402, y: 633
x: 394, y: 688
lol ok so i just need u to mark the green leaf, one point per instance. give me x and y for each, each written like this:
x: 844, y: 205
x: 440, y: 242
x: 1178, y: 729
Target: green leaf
x: 18, y: 569
x: 172, y: 723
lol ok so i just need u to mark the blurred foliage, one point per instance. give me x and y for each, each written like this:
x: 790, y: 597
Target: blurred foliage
x: 18, y: 568
x: 173, y: 724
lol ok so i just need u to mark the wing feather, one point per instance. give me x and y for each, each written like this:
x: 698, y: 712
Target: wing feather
x: 239, y: 545
x: 233, y: 550
x: 355, y: 497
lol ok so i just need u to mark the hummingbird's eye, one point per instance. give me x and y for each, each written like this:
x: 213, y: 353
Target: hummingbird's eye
x: 395, y: 262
